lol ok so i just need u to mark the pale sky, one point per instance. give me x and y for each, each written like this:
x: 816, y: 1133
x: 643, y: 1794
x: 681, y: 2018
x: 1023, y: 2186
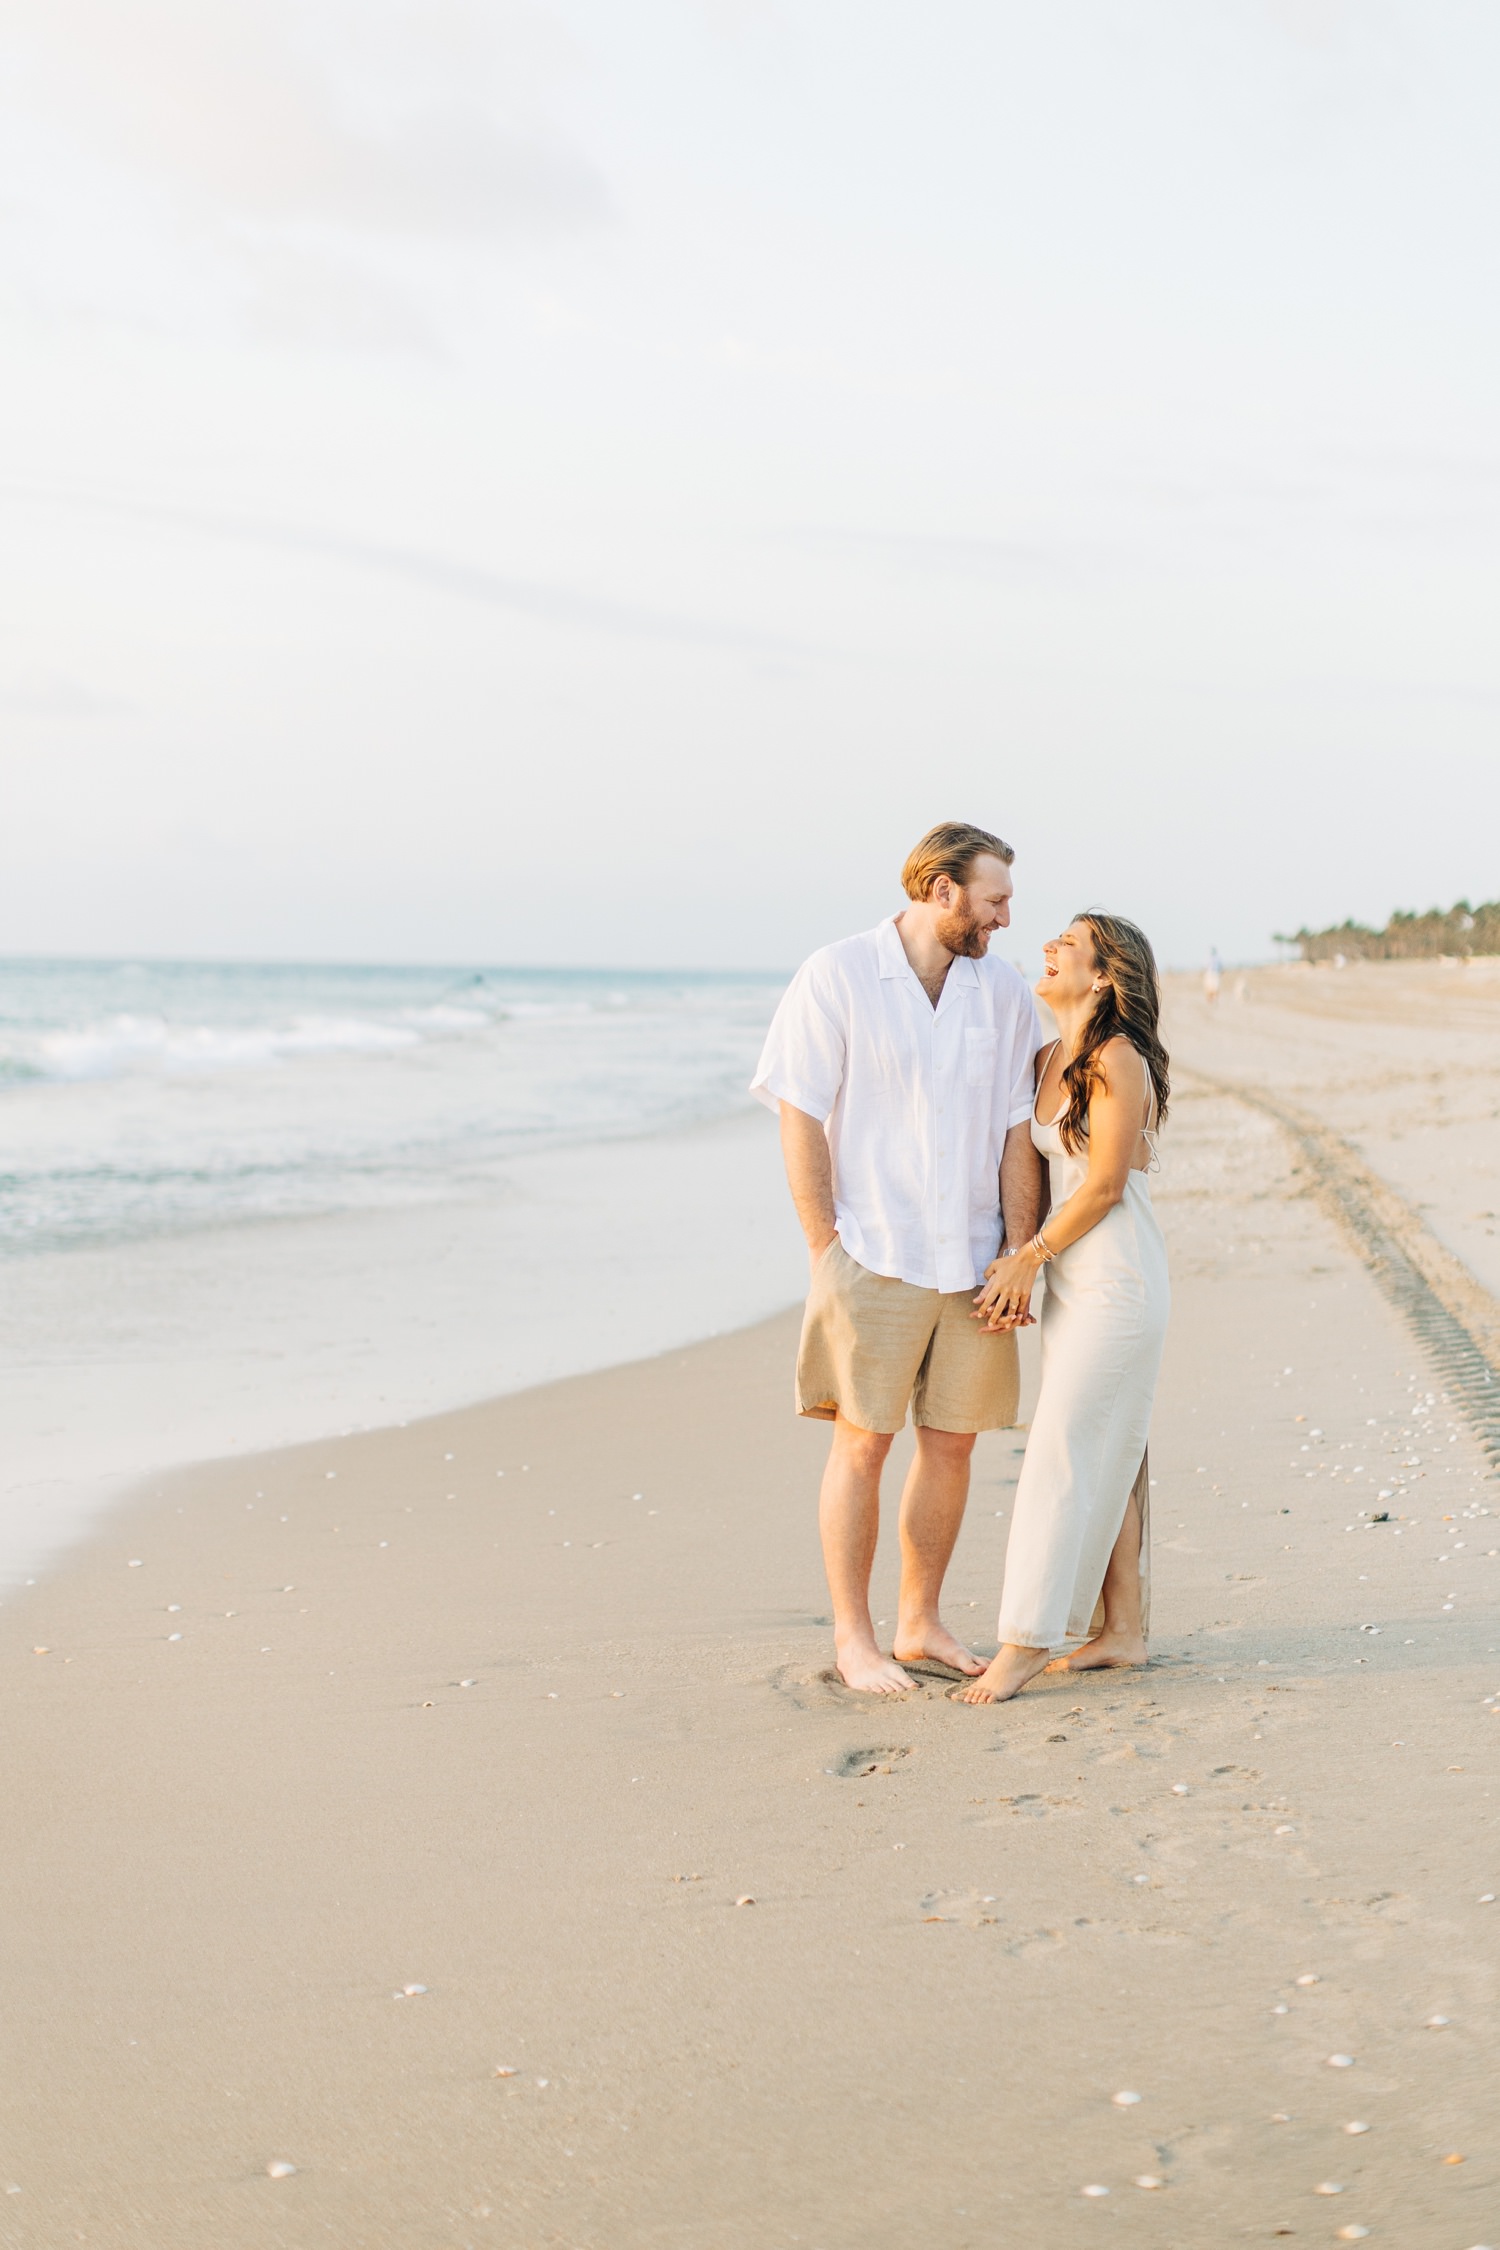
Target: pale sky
x: 524, y: 480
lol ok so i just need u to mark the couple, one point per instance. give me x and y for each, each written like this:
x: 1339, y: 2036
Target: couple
x: 917, y: 1099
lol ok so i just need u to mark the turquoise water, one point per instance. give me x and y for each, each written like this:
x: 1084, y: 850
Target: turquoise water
x: 138, y: 1098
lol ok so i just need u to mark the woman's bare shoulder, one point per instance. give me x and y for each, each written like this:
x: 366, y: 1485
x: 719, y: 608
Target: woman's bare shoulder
x: 1122, y: 1066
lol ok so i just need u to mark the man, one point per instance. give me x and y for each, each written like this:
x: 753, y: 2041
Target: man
x: 901, y: 1063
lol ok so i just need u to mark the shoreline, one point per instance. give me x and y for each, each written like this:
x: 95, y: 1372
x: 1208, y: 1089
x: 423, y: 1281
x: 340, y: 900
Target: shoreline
x: 119, y: 1365
x: 124, y: 1364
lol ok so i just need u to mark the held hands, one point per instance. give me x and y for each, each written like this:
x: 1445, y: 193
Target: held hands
x: 1005, y: 1300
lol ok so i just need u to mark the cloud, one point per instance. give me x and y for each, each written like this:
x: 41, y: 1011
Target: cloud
x: 46, y: 695
x: 552, y: 604
x: 386, y: 118
x: 309, y: 293
x: 955, y: 554
x: 274, y: 164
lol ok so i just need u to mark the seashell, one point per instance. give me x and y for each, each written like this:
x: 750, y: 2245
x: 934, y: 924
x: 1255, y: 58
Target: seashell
x: 505, y: 2070
x: 1148, y: 2180
x: 1351, y: 2234
x: 1329, y: 2187
x: 1094, y: 2190
x: 1309, y: 1980
x: 1339, y: 2062
x: 1454, y: 2158
x: 1486, y: 1898
x: 279, y: 2169
x: 1181, y: 1789
x: 134, y: 1563
x: 1435, y: 2023
x: 410, y: 1991
x: 1356, y: 2125
x: 746, y: 1900
x: 1125, y: 2100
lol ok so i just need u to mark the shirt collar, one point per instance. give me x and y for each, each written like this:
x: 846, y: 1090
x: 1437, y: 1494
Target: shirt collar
x: 890, y: 950
x: 962, y: 971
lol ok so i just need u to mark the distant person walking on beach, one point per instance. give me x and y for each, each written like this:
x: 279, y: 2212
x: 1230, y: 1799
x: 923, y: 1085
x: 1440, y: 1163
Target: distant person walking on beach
x: 902, y: 1065
x: 1078, y: 1556
x: 1212, y: 976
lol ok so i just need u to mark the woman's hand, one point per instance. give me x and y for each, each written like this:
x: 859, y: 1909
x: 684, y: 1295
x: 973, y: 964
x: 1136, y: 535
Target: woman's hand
x: 1005, y: 1300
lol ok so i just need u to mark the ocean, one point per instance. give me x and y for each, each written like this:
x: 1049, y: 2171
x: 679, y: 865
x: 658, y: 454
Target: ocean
x: 243, y: 1206
x: 140, y: 1098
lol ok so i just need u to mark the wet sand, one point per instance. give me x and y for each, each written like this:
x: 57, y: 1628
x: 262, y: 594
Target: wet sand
x: 524, y: 1739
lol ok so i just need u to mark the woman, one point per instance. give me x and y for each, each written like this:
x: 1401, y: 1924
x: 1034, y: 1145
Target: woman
x: 1080, y: 1521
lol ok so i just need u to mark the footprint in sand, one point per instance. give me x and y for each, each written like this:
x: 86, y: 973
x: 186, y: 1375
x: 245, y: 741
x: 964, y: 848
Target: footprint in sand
x: 973, y: 1909
x: 1036, y: 1941
x: 1027, y: 1806
x: 854, y: 1765
x: 814, y: 1688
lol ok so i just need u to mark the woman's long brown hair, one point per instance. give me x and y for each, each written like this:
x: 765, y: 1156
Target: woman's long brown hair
x: 1129, y: 1007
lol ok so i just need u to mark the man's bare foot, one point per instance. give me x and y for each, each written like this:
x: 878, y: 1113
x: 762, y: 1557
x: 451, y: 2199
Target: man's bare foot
x: 932, y: 1643
x: 1006, y: 1677
x: 1107, y: 1652
x: 862, y: 1665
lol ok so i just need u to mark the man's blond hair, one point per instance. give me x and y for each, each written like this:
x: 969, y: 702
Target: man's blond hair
x: 949, y: 849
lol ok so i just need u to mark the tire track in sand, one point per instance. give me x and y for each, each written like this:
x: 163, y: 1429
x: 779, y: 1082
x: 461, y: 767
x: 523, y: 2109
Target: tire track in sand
x: 1452, y: 1314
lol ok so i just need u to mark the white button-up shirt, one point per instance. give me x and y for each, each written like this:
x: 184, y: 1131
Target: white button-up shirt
x: 916, y: 1101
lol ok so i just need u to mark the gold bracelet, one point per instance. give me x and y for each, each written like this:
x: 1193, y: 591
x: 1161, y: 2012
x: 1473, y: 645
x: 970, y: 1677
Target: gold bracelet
x: 1043, y: 1249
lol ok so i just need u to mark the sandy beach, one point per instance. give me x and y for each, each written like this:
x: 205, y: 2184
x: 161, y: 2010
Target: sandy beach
x: 451, y: 1835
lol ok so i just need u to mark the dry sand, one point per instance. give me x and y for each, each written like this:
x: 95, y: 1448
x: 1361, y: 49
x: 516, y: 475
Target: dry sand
x: 523, y: 1741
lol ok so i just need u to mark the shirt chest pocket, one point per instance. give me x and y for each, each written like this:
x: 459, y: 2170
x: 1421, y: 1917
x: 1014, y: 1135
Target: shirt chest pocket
x: 979, y: 1057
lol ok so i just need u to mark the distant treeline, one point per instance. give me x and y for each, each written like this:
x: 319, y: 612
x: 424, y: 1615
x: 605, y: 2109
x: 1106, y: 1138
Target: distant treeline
x: 1407, y: 937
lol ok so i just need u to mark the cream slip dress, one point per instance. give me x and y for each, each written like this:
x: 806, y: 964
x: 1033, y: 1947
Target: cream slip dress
x: 1103, y: 1322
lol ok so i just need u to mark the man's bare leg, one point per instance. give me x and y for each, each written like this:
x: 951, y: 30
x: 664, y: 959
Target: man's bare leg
x: 932, y: 1509
x: 849, y: 1520
x: 1121, y: 1642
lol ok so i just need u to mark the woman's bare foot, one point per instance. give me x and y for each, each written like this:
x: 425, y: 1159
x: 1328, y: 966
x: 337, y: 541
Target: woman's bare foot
x: 1107, y: 1652
x: 1006, y: 1677
x: 862, y: 1665
x: 932, y: 1643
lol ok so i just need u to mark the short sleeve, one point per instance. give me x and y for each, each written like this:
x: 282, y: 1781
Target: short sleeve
x: 802, y: 1061
x: 1028, y: 1038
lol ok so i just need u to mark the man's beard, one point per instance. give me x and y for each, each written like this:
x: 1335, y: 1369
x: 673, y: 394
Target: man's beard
x: 961, y: 933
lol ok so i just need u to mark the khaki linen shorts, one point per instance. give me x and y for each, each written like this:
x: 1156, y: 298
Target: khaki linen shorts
x: 872, y: 1345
